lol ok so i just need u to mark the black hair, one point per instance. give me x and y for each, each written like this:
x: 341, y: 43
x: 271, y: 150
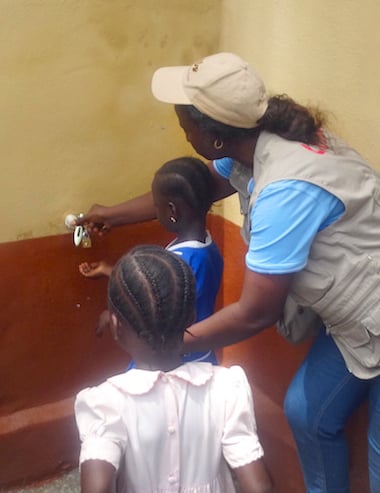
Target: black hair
x: 190, y: 179
x: 153, y: 290
x: 283, y: 117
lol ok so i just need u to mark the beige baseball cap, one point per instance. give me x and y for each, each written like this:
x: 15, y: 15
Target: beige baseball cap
x: 222, y: 86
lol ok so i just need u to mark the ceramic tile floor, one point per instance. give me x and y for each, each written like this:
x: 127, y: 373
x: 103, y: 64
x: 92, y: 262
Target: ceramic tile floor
x: 68, y: 483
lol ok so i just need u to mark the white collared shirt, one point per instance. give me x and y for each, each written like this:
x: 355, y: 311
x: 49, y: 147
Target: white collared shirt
x: 171, y: 431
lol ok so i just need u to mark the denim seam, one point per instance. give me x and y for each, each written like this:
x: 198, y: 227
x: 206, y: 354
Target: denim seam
x: 318, y: 419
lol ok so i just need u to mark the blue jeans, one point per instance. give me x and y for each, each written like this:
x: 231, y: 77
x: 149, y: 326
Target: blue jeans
x: 319, y: 401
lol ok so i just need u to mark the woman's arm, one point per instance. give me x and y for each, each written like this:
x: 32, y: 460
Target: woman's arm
x: 97, y: 476
x: 260, y: 306
x: 101, y: 218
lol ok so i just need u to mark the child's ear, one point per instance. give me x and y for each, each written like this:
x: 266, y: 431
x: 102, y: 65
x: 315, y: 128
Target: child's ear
x: 173, y: 209
x: 114, y: 327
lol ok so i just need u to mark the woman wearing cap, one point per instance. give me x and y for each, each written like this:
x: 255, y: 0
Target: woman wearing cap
x: 312, y: 225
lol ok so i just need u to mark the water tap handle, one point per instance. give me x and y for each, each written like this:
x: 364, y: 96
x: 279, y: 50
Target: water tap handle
x: 80, y: 235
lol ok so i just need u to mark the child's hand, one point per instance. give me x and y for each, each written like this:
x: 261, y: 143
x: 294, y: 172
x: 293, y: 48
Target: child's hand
x: 95, y: 269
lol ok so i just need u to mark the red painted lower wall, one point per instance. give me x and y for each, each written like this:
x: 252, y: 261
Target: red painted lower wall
x: 48, y: 351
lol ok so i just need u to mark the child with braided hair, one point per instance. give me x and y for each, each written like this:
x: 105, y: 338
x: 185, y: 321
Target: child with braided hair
x: 182, y: 191
x: 165, y: 426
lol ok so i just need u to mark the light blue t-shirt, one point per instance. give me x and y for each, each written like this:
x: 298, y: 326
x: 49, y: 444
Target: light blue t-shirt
x: 285, y: 219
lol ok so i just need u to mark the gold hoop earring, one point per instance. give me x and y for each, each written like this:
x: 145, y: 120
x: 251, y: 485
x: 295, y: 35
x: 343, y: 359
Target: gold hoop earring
x: 218, y: 144
x: 173, y: 219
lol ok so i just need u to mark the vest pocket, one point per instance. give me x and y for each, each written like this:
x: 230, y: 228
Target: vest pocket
x: 359, y: 347
x: 353, y: 297
x: 310, y: 287
x: 353, y: 315
x: 372, y: 322
x: 355, y: 334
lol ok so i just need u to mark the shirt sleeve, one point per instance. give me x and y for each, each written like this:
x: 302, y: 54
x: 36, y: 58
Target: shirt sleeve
x: 240, y: 441
x: 284, y: 221
x: 223, y: 166
x: 101, y: 430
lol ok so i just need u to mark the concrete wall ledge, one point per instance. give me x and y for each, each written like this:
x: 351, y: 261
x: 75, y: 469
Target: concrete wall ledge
x: 37, y: 443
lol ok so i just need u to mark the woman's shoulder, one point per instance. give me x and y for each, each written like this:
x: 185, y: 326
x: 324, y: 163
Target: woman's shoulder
x: 223, y: 166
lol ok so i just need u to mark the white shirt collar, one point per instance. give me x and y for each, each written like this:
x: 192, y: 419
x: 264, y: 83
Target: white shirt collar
x: 139, y: 382
x: 190, y: 243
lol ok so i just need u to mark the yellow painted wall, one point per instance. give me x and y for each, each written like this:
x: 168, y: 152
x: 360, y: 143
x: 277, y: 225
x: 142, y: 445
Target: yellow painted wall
x: 319, y: 52
x: 78, y: 122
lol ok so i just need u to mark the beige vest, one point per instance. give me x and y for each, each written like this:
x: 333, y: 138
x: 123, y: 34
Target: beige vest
x: 341, y: 281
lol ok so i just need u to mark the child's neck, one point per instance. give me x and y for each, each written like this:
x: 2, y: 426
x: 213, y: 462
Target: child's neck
x: 192, y: 232
x: 159, y: 362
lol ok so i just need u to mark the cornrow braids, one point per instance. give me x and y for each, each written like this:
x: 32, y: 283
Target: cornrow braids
x: 190, y: 179
x: 283, y: 117
x: 153, y: 290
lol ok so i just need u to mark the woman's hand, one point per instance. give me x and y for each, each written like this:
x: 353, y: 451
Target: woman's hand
x: 100, y: 218
x: 95, y: 220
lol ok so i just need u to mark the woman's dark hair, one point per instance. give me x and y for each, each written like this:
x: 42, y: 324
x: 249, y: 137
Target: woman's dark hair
x: 153, y: 290
x: 190, y: 179
x: 283, y: 117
